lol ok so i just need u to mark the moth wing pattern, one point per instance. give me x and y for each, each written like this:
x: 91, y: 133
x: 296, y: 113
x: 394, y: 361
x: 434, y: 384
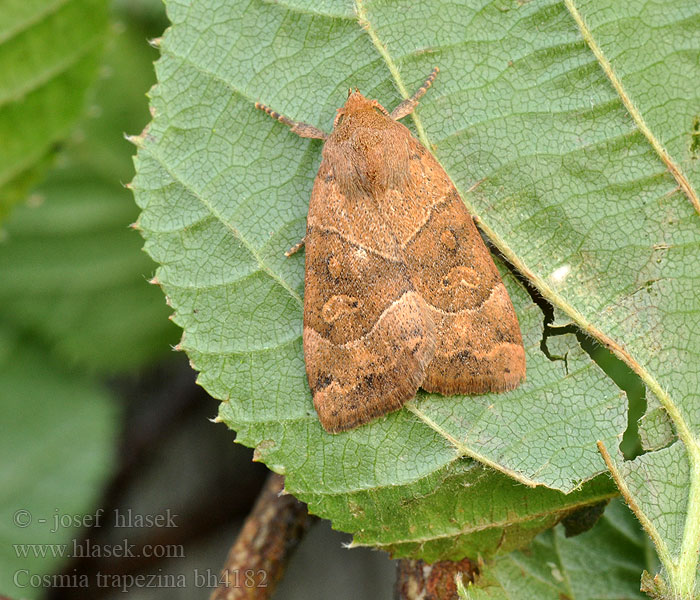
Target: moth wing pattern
x: 479, y: 344
x: 400, y: 289
x: 368, y: 337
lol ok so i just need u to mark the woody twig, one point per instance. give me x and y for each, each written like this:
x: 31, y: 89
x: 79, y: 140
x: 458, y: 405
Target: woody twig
x: 272, y: 531
x: 416, y: 579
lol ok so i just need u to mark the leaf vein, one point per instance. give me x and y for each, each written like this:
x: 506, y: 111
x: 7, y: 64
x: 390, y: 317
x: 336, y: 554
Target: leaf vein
x: 234, y: 231
x: 634, y: 112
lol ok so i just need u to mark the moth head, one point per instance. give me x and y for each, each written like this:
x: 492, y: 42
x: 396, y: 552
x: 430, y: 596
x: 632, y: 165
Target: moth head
x: 349, y: 108
x: 357, y: 104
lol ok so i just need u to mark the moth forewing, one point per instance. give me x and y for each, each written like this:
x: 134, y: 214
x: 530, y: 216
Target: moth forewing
x: 400, y: 291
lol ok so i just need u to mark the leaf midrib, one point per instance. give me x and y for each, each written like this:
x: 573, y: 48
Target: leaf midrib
x: 633, y: 111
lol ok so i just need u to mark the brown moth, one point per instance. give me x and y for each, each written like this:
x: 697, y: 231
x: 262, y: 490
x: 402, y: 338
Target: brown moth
x: 400, y: 290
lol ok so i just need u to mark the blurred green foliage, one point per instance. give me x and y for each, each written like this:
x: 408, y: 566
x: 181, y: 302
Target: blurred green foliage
x: 49, y: 54
x: 73, y: 272
x: 74, y: 300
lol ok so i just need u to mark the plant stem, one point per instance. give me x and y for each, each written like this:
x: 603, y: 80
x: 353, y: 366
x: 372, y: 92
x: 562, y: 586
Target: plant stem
x: 417, y: 580
x: 364, y: 22
x: 257, y: 560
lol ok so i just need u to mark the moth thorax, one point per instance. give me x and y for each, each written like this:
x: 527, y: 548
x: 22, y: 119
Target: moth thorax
x: 388, y: 164
x: 368, y: 153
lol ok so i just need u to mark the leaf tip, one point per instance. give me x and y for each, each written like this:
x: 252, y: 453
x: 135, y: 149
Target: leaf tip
x: 136, y: 140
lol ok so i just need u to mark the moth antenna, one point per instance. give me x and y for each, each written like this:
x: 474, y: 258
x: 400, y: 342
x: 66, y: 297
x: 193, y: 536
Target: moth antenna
x: 301, y: 129
x: 408, y: 105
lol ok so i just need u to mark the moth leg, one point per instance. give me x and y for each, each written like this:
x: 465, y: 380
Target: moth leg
x: 407, y: 106
x: 301, y: 129
x: 295, y: 248
x: 375, y: 104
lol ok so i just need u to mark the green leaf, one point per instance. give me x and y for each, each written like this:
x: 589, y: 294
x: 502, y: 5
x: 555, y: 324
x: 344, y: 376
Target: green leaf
x: 659, y: 488
x: 73, y: 272
x: 49, y: 53
x: 602, y: 563
x: 655, y: 429
x: 662, y: 48
x: 462, y: 510
x: 57, y: 444
x: 571, y: 188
